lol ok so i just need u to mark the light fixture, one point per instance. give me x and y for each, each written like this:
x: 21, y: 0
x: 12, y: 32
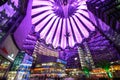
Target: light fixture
x: 11, y: 57
x: 75, y: 58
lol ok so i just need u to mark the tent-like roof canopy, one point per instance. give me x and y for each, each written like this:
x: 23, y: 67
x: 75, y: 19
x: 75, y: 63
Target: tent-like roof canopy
x: 62, y: 23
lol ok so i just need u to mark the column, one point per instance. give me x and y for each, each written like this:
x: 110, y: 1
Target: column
x: 82, y: 57
x: 89, y: 56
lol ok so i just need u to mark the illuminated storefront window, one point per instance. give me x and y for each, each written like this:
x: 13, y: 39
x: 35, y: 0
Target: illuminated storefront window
x: 24, y: 68
x: 4, y: 64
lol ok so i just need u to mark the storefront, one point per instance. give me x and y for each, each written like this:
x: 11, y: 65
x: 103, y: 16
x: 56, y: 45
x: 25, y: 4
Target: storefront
x: 18, y: 60
x: 4, y: 66
x: 8, y: 52
x: 48, y: 70
x: 23, y: 72
x: 20, y: 69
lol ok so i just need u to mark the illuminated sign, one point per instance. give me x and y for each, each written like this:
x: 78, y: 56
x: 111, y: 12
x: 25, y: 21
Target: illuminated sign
x: 61, y: 61
x: 11, y: 57
x: 23, y: 64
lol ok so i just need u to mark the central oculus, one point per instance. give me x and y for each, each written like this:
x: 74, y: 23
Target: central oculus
x: 61, y: 23
x: 64, y: 8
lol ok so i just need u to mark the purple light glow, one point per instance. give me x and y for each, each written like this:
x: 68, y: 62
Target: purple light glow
x: 53, y: 19
x: 24, y: 28
x: 82, y: 28
x: 8, y: 9
x: 71, y: 40
x: 36, y: 19
x: 15, y: 2
x: 63, y: 41
x: 77, y: 35
x: 41, y: 2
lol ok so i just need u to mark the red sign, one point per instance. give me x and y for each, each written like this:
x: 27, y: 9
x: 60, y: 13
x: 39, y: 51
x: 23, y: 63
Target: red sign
x: 4, y: 50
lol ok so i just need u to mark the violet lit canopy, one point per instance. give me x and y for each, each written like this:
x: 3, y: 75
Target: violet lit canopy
x: 62, y: 23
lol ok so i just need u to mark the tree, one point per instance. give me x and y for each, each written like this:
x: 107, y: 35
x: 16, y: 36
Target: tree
x: 86, y: 70
x: 106, y: 66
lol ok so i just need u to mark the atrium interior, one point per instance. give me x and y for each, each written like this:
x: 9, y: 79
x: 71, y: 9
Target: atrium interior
x: 60, y: 39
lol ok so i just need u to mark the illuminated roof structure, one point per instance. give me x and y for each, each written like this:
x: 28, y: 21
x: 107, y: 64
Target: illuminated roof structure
x: 62, y: 23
